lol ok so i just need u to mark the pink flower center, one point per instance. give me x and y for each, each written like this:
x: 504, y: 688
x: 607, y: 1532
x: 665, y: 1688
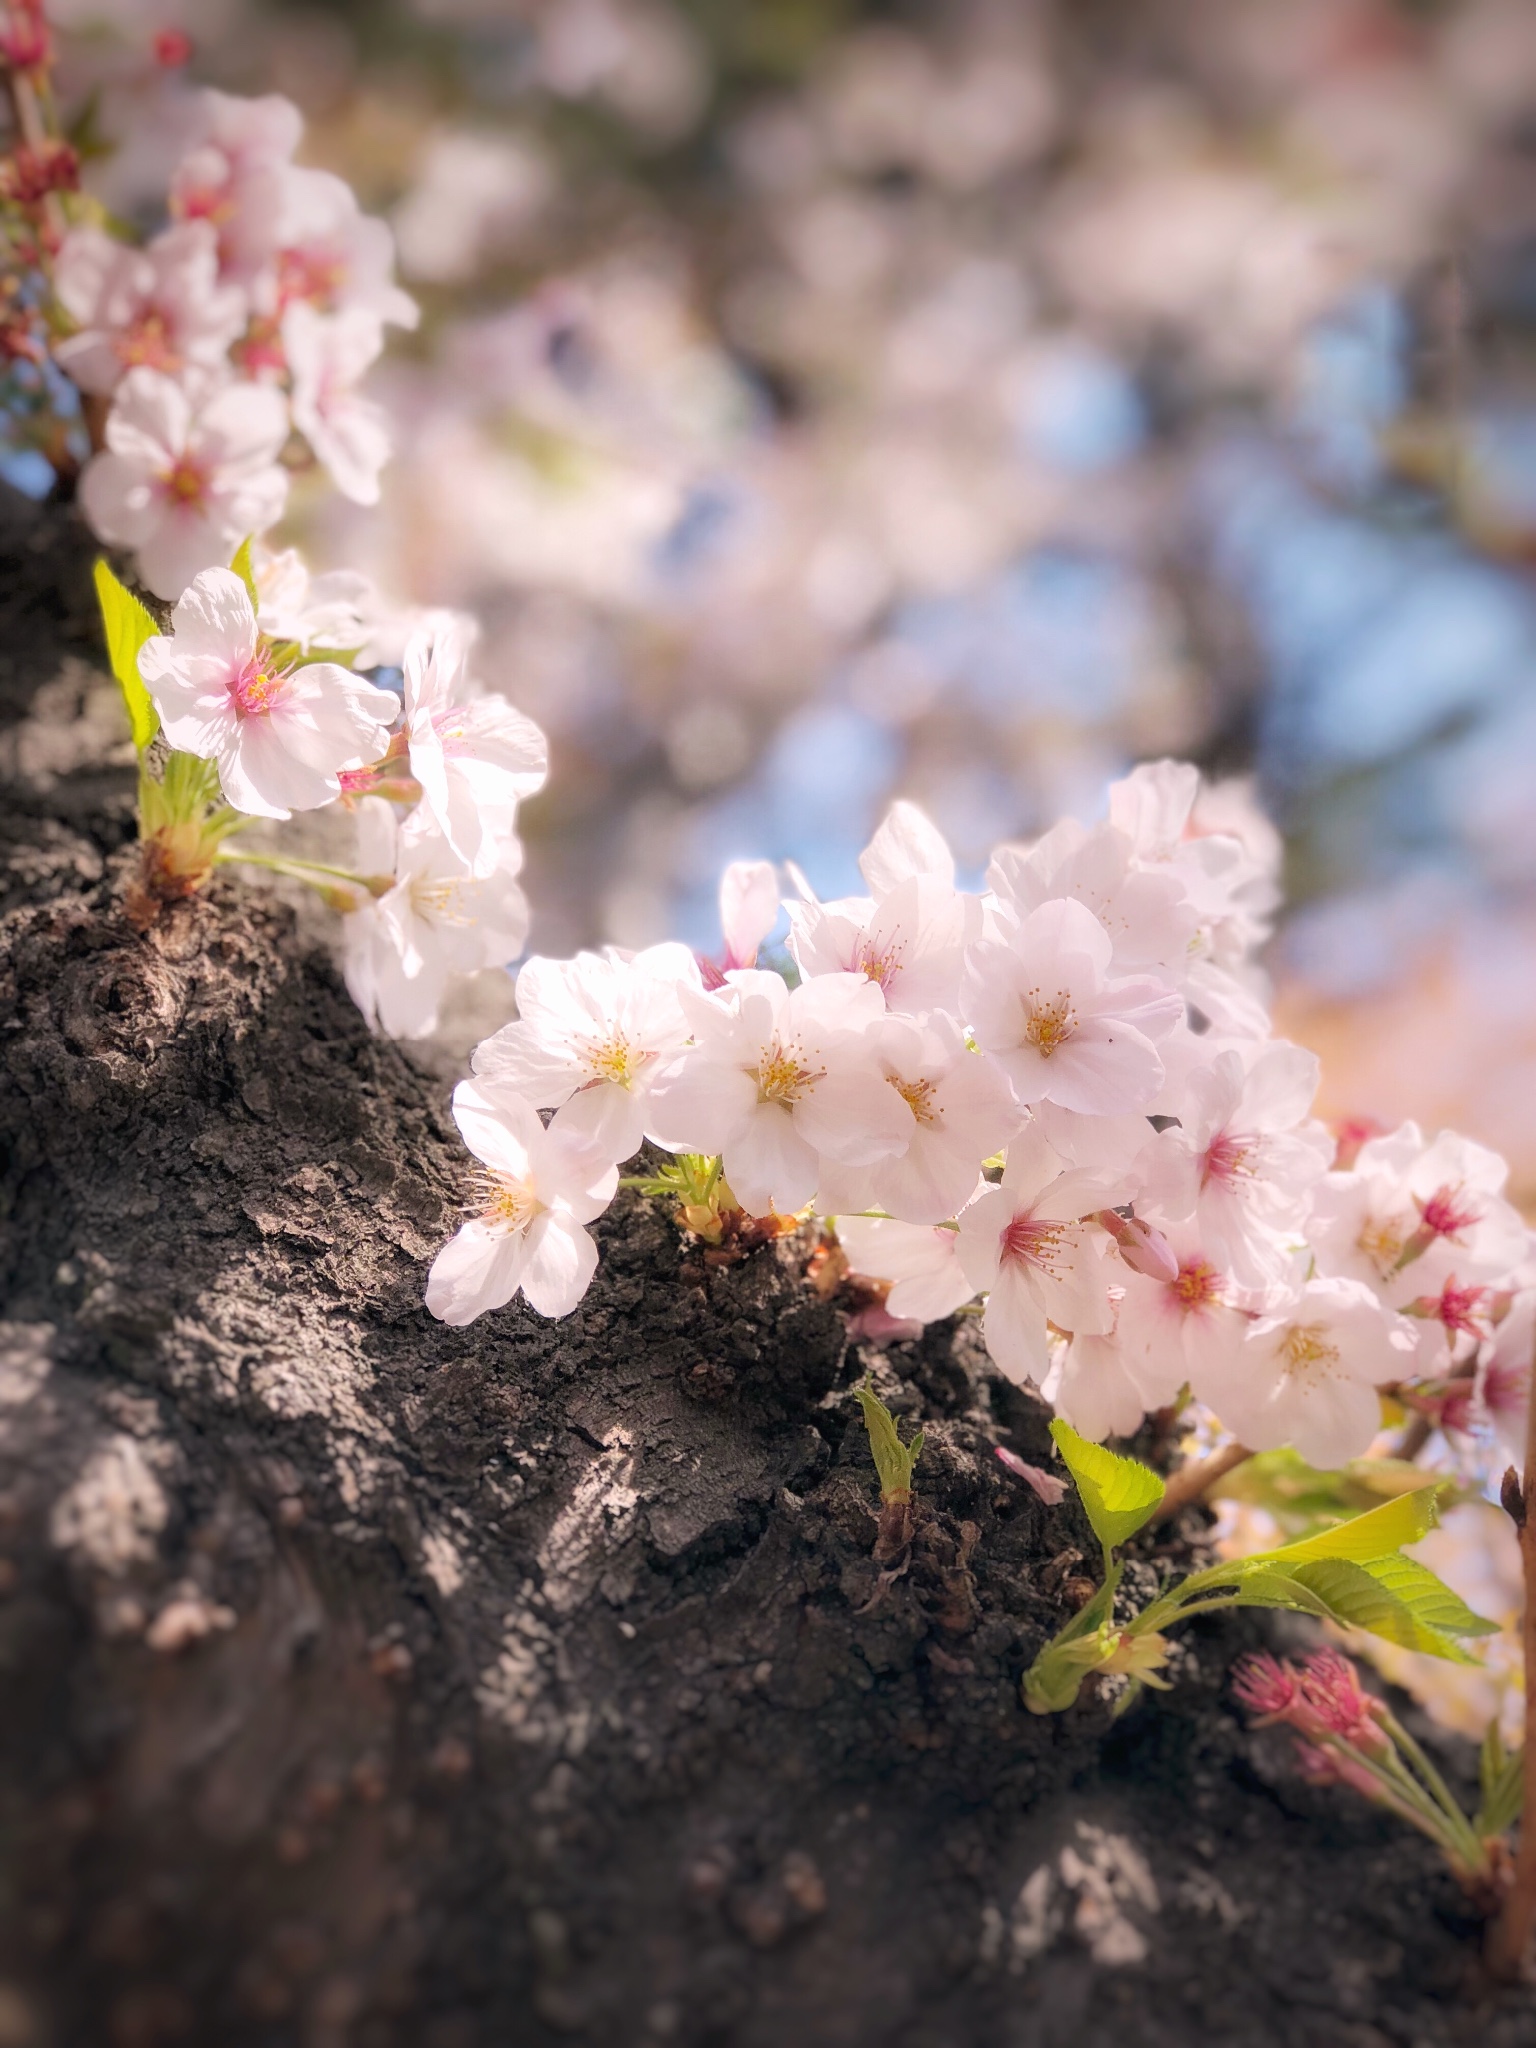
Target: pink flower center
x: 1032, y: 1242
x: 147, y: 343
x: 185, y: 482
x: 1461, y: 1308
x: 313, y: 274
x: 214, y: 203
x: 255, y: 689
x: 1226, y: 1160
x: 1448, y: 1211
x: 260, y: 349
x: 1199, y: 1285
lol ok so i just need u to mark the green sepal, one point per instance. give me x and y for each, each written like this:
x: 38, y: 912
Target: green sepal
x: 1119, y: 1495
x: 244, y: 569
x: 128, y: 624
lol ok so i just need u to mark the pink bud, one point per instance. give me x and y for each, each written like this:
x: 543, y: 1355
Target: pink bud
x: 1143, y: 1249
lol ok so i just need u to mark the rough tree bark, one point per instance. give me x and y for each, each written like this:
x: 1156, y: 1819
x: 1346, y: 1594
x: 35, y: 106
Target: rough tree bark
x: 369, y: 1682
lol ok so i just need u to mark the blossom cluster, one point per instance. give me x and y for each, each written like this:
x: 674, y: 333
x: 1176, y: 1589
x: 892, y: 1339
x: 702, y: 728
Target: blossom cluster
x: 1059, y: 1096
x: 250, y: 318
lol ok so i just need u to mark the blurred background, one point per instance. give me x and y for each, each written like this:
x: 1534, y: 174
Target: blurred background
x: 820, y: 402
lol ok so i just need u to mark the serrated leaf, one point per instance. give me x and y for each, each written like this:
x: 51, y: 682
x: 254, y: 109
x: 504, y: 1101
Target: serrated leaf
x: 1376, y: 1534
x: 1305, y: 1499
x: 1357, y: 1600
x: 127, y: 625
x: 243, y: 568
x: 1431, y: 1599
x: 1119, y: 1495
x: 893, y: 1459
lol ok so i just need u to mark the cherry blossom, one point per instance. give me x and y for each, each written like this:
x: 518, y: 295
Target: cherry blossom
x: 233, y: 176
x: 910, y: 942
x: 330, y: 255
x: 524, y: 1233
x: 777, y: 1081
x: 1041, y: 1002
x: 920, y: 1264
x: 327, y: 358
x: 158, y: 308
x: 962, y: 1111
x: 1024, y: 1242
x: 749, y: 910
x: 281, y: 737
x: 332, y: 610
x: 184, y: 480
x: 1145, y: 912
x: 475, y: 757
x: 1251, y: 1157
x: 401, y: 946
x: 590, y: 1036
x: 1308, y: 1375
x: 907, y: 843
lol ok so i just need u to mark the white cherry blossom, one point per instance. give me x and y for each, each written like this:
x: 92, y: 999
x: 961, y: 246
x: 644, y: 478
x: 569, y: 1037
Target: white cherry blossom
x: 590, y: 1036
x: 281, y: 737
x: 907, y: 843
x: 183, y: 479
x: 962, y: 1111
x: 157, y: 308
x: 525, y: 1232
x: 475, y: 757
x: 1024, y: 1244
x: 1308, y: 1375
x: 749, y: 910
x: 437, y: 920
x: 332, y: 610
x: 919, y: 1263
x: 777, y: 1081
x: 1042, y: 1003
x: 911, y: 942
x: 327, y: 358
x: 1145, y: 911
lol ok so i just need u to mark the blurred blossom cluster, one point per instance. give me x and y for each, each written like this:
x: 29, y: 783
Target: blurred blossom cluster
x: 818, y: 407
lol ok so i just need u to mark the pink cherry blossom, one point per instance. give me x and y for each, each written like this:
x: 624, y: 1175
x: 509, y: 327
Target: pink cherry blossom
x: 183, y: 480
x: 1024, y: 1243
x: 233, y: 175
x: 327, y: 358
x: 281, y: 737
x: 475, y: 757
x: 157, y: 308
x: 921, y: 1265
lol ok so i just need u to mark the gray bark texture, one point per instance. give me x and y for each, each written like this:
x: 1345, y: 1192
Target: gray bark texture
x: 371, y: 1684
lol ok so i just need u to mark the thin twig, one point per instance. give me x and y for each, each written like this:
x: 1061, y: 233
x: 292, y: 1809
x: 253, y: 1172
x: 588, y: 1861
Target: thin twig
x: 1191, y: 1482
x: 1510, y: 1933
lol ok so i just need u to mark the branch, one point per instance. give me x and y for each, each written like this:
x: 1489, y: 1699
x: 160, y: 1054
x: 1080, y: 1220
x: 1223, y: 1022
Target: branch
x: 1193, y: 1481
x: 1510, y: 1934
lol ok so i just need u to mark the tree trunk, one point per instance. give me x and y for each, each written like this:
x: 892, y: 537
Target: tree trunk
x: 371, y: 1682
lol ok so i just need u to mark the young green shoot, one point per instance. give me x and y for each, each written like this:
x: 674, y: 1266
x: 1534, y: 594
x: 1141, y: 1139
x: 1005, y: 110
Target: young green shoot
x: 1353, y: 1573
x: 894, y: 1461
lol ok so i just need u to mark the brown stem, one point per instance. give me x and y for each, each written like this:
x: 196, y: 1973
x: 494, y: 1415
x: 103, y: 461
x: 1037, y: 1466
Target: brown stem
x: 1191, y: 1482
x: 32, y: 127
x: 1511, y: 1932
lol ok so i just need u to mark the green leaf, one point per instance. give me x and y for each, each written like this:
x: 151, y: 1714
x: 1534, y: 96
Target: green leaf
x: 1358, y: 1600
x: 128, y: 625
x: 243, y: 569
x: 893, y: 1459
x: 1431, y: 1599
x: 1368, y: 1536
x: 1260, y: 1585
x: 1118, y: 1494
x: 1304, y: 1499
